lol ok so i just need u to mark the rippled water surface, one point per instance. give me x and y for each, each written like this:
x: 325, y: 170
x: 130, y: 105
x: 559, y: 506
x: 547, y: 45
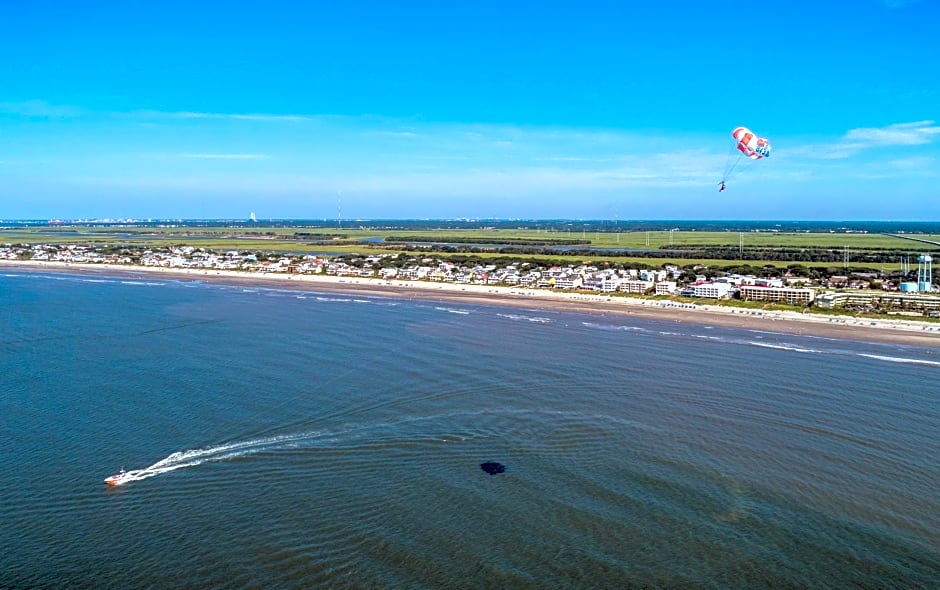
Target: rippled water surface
x: 294, y: 439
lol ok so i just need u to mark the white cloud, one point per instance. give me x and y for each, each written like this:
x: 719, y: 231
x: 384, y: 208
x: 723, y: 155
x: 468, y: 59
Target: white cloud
x: 866, y: 138
x: 919, y: 165
x: 407, y: 156
x: 39, y: 109
x: 43, y: 109
x: 465, y: 182
x: 454, y: 158
x: 389, y: 133
x: 151, y: 114
x: 916, y: 133
x: 569, y: 159
x: 227, y: 156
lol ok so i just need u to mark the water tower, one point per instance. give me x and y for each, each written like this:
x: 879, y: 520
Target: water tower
x: 924, y: 272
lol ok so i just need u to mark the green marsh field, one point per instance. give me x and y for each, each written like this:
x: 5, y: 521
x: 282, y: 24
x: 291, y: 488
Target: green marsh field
x: 682, y: 247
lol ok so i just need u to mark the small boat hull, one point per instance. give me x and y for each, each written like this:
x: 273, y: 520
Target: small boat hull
x: 118, y: 478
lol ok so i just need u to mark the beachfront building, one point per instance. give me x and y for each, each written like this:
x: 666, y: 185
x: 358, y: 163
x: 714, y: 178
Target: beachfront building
x: 790, y: 295
x: 833, y: 299
x: 708, y: 290
x: 636, y: 286
x: 736, y: 280
x: 605, y: 283
x: 792, y: 281
x: 440, y: 274
x: 569, y: 281
x: 530, y: 279
x: 665, y: 287
x: 549, y: 277
x: 837, y: 281
x: 651, y: 275
x: 511, y: 278
x: 869, y: 300
x: 773, y: 283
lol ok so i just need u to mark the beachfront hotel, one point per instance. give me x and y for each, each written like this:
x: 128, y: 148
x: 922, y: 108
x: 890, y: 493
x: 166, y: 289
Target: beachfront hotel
x: 790, y: 295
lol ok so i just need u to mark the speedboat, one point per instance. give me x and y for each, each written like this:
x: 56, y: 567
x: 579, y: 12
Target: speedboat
x: 118, y: 478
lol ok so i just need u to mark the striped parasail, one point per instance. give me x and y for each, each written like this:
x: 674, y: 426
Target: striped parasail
x: 750, y: 144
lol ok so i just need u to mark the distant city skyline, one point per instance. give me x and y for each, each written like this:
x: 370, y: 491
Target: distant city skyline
x: 426, y: 110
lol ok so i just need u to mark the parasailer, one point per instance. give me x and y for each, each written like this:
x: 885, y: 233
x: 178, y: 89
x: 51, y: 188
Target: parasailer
x: 749, y: 145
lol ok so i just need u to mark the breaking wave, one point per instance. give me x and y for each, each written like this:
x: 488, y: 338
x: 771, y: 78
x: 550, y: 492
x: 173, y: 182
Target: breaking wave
x: 897, y: 359
x: 524, y: 318
x: 453, y: 310
x: 784, y: 346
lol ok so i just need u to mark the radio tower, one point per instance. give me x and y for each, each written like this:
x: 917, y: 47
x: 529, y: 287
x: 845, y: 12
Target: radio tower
x: 339, y: 208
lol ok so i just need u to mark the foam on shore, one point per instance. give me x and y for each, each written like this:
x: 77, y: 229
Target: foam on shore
x: 886, y: 329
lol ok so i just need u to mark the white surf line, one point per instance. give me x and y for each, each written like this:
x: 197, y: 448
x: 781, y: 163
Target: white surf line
x: 895, y: 359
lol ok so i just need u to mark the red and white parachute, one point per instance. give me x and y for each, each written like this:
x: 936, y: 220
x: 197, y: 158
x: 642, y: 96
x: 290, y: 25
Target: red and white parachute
x: 749, y: 145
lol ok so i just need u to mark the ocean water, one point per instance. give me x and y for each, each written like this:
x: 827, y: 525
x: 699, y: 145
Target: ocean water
x: 292, y: 439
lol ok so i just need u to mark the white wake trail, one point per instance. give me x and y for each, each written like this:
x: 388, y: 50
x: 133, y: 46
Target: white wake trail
x: 194, y: 457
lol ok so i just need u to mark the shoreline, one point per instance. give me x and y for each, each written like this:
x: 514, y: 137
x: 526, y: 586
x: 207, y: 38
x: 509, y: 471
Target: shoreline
x: 888, y: 330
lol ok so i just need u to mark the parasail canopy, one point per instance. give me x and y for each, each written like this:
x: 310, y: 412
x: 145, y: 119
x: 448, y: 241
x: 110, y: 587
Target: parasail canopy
x: 749, y: 144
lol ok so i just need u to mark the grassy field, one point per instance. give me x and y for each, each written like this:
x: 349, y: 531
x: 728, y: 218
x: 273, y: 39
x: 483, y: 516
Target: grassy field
x: 338, y: 241
x: 659, y: 239
x: 632, y: 240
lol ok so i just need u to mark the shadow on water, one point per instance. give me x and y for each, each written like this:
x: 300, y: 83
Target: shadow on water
x: 492, y: 467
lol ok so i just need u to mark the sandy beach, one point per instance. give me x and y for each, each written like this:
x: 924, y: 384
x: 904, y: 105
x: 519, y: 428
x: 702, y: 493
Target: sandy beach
x: 889, y: 330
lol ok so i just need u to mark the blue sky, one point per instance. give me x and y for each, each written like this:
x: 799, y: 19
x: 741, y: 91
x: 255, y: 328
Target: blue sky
x: 602, y: 110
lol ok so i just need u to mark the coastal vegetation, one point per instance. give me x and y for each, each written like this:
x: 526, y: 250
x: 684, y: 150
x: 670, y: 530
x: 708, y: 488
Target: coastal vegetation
x: 815, y: 249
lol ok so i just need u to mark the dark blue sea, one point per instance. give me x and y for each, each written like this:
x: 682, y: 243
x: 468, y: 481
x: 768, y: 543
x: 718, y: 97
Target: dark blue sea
x: 295, y: 439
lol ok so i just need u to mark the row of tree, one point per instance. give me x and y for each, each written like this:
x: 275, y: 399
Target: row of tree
x: 417, y: 240
x: 858, y: 256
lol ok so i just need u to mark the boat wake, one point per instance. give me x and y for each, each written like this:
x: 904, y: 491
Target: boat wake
x: 224, y: 452
x: 348, y: 436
